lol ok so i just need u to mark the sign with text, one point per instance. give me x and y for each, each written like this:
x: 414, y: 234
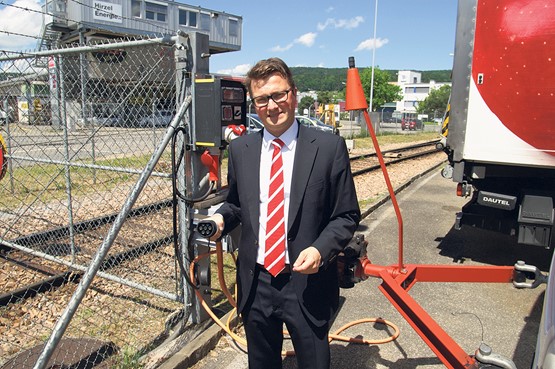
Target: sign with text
x: 107, y: 11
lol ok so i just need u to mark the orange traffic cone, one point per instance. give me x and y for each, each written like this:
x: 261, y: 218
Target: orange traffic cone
x: 354, y: 94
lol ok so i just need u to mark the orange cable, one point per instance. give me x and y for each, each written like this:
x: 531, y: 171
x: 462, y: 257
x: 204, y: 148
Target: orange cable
x: 227, y: 327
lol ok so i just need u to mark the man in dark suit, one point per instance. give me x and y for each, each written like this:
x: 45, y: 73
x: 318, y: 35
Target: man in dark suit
x: 319, y: 215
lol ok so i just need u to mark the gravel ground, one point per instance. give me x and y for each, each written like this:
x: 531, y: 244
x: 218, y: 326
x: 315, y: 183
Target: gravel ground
x: 372, y: 186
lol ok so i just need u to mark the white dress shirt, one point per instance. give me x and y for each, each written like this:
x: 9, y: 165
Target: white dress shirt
x: 289, y: 139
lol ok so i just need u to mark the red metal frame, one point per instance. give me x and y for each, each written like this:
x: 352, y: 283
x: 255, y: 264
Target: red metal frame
x: 395, y: 286
x: 399, y: 279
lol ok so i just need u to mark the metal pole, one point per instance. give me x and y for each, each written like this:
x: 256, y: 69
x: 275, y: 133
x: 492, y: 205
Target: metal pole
x: 373, y: 57
x: 193, y: 171
x: 9, y: 144
x: 67, y: 168
x: 83, y: 67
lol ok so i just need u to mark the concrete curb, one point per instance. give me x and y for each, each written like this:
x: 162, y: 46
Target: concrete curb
x: 199, y: 347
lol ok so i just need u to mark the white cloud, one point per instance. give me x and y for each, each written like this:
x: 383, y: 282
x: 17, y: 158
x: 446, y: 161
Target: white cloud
x: 279, y: 48
x: 321, y: 65
x: 20, y: 21
x: 307, y: 39
x: 330, y: 9
x: 238, y: 70
x: 341, y: 23
x: 371, y: 43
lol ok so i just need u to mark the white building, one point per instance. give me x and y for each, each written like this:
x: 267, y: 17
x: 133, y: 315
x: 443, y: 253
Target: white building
x: 70, y: 21
x: 413, y: 90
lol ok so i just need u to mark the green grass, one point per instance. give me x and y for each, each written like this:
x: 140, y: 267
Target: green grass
x: 393, y: 138
x: 128, y: 359
x: 47, y: 182
x: 365, y: 203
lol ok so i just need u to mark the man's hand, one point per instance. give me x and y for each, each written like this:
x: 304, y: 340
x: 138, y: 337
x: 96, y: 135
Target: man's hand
x: 219, y: 220
x: 308, y: 262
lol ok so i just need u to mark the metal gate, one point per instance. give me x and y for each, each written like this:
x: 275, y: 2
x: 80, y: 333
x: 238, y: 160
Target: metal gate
x: 88, y: 264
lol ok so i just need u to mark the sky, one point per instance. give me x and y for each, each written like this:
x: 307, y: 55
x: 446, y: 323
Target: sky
x: 410, y: 34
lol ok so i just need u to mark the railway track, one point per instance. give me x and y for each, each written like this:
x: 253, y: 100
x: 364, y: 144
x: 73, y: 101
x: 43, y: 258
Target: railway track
x: 53, y: 277
x: 366, y: 163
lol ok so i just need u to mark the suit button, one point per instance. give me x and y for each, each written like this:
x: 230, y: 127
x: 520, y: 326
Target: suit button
x: 256, y: 242
x: 251, y: 272
x: 289, y: 238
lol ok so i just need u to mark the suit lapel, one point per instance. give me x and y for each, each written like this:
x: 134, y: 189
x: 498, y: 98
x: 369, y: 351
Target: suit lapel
x: 250, y: 160
x: 305, y: 154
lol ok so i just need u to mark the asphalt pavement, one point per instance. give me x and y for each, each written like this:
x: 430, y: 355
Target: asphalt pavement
x: 503, y: 317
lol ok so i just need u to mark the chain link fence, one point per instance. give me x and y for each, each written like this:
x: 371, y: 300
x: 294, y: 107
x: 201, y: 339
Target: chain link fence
x: 79, y: 127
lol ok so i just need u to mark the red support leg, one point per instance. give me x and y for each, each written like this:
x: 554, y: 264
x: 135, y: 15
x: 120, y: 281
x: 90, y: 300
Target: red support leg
x: 445, y: 348
x: 396, y: 284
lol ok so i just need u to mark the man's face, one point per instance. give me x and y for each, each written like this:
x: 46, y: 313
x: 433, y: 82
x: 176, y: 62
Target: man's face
x: 276, y: 117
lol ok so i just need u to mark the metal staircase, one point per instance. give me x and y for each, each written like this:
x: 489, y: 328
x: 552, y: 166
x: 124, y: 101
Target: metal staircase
x: 48, y: 37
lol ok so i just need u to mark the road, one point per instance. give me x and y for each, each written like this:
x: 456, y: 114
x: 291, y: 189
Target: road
x: 503, y: 317
x: 31, y: 143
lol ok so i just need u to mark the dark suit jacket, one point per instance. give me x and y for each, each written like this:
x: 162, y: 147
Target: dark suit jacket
x: 323, y: 212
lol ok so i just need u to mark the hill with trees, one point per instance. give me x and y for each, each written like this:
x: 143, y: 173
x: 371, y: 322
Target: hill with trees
x: 333, y: 79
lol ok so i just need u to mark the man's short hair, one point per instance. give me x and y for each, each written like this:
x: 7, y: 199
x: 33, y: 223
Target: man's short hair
x: 266, y: 68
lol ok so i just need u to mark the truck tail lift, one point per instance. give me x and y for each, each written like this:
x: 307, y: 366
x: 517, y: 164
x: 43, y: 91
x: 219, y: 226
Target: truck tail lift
x: 398, y: 279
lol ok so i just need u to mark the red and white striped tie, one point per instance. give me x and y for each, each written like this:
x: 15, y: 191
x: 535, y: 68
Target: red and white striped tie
x: 274, y: 256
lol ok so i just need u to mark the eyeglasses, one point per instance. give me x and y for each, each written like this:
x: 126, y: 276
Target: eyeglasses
x: 278, y: 97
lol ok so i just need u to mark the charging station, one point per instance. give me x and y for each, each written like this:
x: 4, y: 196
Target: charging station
x: 217, y: 116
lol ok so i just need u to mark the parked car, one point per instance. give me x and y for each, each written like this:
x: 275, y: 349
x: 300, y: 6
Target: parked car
x: 316, y: 124
x: 108, y: 121
x: 10, y: 115
x: 160, y: 118
x: 411, y: 124
x: 254, y: 124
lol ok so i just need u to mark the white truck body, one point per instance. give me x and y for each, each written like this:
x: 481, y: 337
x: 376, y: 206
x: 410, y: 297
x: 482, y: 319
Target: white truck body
x: 501, y: 131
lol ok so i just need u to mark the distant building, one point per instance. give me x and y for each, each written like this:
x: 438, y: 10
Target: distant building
x: 310, y: 93
x: 413, y: 90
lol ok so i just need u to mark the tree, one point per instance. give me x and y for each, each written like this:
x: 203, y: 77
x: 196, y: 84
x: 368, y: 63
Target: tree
x: 383, y: 91
x: 324, y: 97
x: 307, y: 102
x: 435, y: 104
x: 333, y: 79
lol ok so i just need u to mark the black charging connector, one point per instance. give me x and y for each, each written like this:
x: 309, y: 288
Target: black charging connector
x: 207, y: 228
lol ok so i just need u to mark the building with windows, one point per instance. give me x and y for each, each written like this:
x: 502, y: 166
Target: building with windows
x: 84, y: 20
x: 413, y: 90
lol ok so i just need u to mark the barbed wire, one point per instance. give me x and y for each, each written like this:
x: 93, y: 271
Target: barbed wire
x: 2, y: 2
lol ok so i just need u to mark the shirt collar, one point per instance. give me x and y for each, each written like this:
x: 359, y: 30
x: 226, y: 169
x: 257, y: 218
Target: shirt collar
x: 287, y: 137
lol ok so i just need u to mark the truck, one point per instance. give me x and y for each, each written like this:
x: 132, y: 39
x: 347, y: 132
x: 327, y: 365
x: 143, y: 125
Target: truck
x: 499, y: 131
